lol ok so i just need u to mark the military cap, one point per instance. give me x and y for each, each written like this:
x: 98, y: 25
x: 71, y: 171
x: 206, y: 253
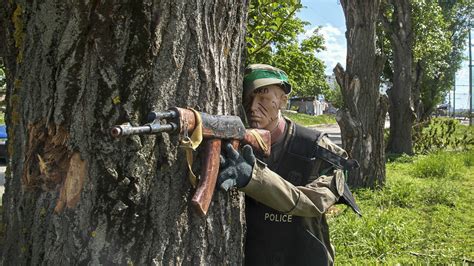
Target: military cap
x: 259, y: 75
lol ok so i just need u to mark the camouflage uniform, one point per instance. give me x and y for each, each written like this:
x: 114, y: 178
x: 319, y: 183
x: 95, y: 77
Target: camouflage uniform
x: 305, y: 204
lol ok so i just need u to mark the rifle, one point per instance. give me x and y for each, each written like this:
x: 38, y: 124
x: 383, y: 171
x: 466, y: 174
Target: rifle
x: 213, y: 129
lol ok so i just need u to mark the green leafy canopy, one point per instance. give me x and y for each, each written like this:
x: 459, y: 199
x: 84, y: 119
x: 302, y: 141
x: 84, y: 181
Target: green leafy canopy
x: 439, y: 29
x: 273, y: 38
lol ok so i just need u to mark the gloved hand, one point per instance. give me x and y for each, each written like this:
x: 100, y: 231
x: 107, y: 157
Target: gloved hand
x: 235, y: 169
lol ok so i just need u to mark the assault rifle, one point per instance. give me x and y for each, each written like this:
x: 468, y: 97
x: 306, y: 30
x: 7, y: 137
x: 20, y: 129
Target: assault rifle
x: 193, y: 127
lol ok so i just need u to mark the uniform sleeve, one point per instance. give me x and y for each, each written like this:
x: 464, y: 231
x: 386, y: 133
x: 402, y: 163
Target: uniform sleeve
x: 310, y: 200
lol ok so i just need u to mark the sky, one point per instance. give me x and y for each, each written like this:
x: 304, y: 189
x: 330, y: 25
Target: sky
x: 329, y: 15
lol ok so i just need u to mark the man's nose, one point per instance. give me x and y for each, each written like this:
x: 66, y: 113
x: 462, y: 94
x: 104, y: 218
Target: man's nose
x: 253, y: 104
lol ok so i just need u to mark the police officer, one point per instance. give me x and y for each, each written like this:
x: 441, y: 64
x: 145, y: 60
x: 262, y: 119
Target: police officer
x: 288, y: 193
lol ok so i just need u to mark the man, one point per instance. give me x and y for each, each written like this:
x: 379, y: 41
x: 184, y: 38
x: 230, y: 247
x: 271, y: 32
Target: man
x: 287, y: 194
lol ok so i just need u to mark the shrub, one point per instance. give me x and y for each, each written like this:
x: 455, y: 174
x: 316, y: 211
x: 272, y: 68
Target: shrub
x: 440, y: 134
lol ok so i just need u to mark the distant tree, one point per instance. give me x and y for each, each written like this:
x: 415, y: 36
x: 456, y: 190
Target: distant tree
x: 272, y: 38
x: 333, y: 95
x: 424, y: 45
x: 362, y: 116
x: 436, y: 83
x: 397, y: 20
x: 432, y: 50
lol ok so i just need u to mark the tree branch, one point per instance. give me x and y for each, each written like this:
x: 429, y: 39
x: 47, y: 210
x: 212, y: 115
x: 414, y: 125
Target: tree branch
x: 277, y: 31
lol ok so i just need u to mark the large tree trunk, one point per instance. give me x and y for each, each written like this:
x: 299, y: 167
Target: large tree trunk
x: 401, y: 109
x: 363, y: 115
x: 73, y: 194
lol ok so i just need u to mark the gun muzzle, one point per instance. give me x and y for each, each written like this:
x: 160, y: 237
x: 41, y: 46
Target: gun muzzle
x: 126, y: 130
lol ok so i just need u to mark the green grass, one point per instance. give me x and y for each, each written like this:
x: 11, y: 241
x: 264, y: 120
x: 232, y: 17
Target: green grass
x: 309, y: 120
x: 421, y: 216
x: 2, y: 118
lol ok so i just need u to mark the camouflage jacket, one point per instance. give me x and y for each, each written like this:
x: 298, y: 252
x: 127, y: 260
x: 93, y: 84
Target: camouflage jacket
x: 310, y: 201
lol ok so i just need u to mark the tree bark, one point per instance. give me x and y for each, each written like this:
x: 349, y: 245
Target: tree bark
x: 362, y: 117
x: 416, y: 92
x: 73, y: 194
x: 401, y: 110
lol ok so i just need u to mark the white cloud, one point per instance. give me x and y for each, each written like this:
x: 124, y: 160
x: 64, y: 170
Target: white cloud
x: 335, y: 43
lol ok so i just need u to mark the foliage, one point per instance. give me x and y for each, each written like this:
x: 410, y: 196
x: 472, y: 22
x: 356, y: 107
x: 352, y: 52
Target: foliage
x: 456, y: 14
x: 271, y: 22
x: 442, y: 133
x: 272, y: 38
x: 334, y: 96
x: 439, y: 29
x: 432, y: 50
x: 310, y: 120
x: 411, y: 221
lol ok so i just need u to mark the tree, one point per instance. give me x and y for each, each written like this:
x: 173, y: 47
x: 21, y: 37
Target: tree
x: 363, y: 115
x: 448, y: 24
x: 431, y: 50
x: 424, y: 55
x: 398, y: 24
x: 273, y: 39
x: 76, y: 196
x: 334, y: 95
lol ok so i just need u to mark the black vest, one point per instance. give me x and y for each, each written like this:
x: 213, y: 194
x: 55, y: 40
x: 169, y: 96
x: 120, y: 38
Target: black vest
x: 277, y: 238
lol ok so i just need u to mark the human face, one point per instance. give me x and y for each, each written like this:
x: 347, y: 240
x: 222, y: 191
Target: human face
x: 263, y: 105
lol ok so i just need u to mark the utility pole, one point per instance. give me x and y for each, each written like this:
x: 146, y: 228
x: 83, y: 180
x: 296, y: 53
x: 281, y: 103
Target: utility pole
x: 454, y: 98
x: 449, y: 103
x: 470, y: 79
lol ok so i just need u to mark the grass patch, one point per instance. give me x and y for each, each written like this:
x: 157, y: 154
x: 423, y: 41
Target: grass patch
x: 437, y: 165
x: 417, y: 218
x: 310, y: 120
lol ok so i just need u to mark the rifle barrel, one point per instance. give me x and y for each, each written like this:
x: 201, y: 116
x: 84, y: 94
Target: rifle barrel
x: 126, y: 130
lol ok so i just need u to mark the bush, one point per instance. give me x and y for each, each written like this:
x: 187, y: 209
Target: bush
x: 441, y: 134
x: 439, y: 166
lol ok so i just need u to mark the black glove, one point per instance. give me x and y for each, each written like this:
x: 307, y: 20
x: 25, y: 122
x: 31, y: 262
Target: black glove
x: 235, y: 169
